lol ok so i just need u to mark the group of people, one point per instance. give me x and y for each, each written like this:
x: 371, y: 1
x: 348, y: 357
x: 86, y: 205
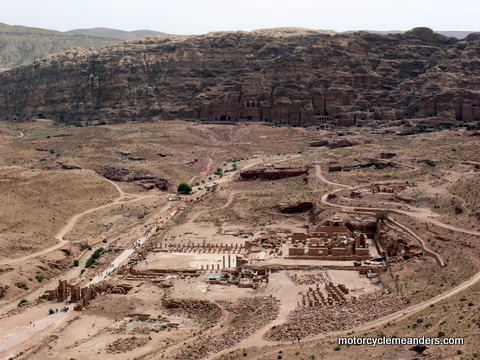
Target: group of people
x: 115, y: 269
x: 134, y: 246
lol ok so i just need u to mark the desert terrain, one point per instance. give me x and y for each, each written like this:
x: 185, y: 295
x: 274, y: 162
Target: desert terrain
x: 290, y: 238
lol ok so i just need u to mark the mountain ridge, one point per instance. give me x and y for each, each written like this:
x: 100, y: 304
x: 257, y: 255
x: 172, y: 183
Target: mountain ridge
x: 293, y: 79
x: 21, y: 45
x: 115, y: 33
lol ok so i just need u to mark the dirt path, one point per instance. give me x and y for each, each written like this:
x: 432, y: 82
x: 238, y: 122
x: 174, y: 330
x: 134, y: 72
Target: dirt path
x: 122, y: 199
x: 256, y: 339
x: 421, y: 213
x: 424, y: 214
x: 320, y: 176
x: 396, y: 316
x: 32, y: 325
x: 192, y: 219
x: 169, y: 353
x: 281, y: 285
x: 208, y: 169
x: 428, y: 251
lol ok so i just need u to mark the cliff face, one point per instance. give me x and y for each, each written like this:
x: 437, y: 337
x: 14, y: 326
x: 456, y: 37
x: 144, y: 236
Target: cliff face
x: 296, y: 77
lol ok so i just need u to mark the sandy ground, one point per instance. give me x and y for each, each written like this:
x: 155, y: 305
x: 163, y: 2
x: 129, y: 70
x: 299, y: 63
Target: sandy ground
x: 16, y: 333
x: 29, y: 326
x: 188, y: 260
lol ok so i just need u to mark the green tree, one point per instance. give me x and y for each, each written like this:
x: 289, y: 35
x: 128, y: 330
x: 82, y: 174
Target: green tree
x: 184, y: 188
x: 382, y: 216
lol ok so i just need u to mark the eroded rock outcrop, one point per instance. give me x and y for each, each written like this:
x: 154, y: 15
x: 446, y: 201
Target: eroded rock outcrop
x: 272, y: 173
x: 294, y: 208
x: 146, y: 182
x: 376, y: 163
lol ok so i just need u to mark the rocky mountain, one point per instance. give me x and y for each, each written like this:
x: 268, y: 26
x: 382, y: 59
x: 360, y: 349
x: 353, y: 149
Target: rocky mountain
x: 20, y: 45
x: 286, y: 76
x: 115, y: 34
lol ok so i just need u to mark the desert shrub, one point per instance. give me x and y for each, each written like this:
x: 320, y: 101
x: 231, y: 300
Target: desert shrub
x: 90, y: 262
x: 184, y: 188
x: 22, y: 285
x: 382, y: 216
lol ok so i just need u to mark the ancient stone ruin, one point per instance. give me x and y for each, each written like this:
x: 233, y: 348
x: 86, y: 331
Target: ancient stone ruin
x: 333, y: 294
x: 81, y: 296
x: 244, y: 278
x: 331, y: 240
x: 204, y: 248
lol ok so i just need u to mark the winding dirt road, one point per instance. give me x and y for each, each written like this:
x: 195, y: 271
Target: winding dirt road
x: 424, y: 214
x: 288, y: 301
x: 123, y: 198
x: 256, y: 339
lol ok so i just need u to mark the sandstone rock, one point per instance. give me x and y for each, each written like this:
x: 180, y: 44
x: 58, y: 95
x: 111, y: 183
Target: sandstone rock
x: 294, y: 208
x: 418, y: 348
x: 341, y: 143
x: 319, y: 143
x: 429, y: 162
x: 116, y: 174
x: 272, y: 173
x: 387, y: 155
x: 121, y: 346
x: 299, y: 78
x: 303, y: 322
x: 147, y: 182
x: 69, y: 166
x: 377, y: 163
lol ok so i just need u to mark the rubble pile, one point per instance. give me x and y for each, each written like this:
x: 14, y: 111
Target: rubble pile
x: 333, y: 294
x: 20, y: 309
x: 249, y: 315
x: 311, y: 321
x: 308, y: 278
x: 121, y: 346
x: 205, y: 311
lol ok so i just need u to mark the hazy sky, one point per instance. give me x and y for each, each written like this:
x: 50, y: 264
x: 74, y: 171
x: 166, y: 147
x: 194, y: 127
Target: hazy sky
x: 202, y: 16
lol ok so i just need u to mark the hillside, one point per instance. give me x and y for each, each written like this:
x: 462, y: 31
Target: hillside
x: 115, y: 34
x: 20, y: 45
x: 298, y: 77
